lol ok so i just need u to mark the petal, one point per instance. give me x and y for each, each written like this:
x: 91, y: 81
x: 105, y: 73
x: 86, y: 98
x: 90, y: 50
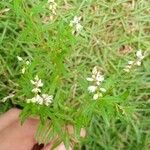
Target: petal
x: 32, y: 82
x: 138, y: 63
x: 94, y: 71
x: 36, y: 77
x: 89, y: 79
x: 27, y: 62
x: 103, y: 90
x: 23, y: 70
x: 19, y: 58
x: 92, y: 88
x: 95, y: 97
x: 100, y: 78
x: 139, y: 54
x: 130, y: 62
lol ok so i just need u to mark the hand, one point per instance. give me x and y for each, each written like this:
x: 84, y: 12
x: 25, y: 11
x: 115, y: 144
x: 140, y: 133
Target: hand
x: 16, y: 137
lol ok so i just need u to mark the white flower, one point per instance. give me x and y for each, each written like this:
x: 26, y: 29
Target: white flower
x: 95, y: 70
x: 8, y: 97
x: 76, y: 20
x: 47, y: 99
x: 139, y: 55
x: 39, y: 99
x: 92, y: 88
x: 38, y: 82
x: 27, y: 62
x: 52, y: 6
x: 103, y: 90
x: 44, y: 99
x: 75, y: 23
x: 19, y: 58
x: 96, y: 76
x: 78, y: 27
x: 138, y: 63
x: 95, y: 97
x: 99, y: 77
x: 23, y: 70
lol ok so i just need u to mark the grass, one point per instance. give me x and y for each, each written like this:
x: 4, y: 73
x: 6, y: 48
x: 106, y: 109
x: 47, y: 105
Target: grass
x: 112, y: 33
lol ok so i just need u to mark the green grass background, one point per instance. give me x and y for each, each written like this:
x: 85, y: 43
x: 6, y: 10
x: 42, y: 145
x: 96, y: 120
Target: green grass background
x: 113, y: 30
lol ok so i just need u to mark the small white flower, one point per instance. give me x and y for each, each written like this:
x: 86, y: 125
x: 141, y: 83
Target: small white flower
x: 75, y: 23
x: 98, y: 83
x: 139, y: 55
x: 52, y: 6
x: 95, y: 97
x: 8, y: 97
x: 38, y: 82
x: 19, y: 58
x: 79, y: 27
x: 92, y: 88
x: 27, y: 62
x: 76, y: 20
x: 36, y: 77
x: 95, y: 70
x: 99, y: 77
x: 28, y: 100
x: 23, y: 70
x: 138, y: 63
x: 90, y: 79
x: 39, y: 99
x: 36, y: 90
x: 47, y: 99
x: 103, y: 90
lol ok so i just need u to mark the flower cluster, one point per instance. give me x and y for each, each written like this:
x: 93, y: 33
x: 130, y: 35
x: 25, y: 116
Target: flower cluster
x: 37, y: 85
x: 97, y: 78
x: 25, y: 64
x: 39, y: 98
x: 52, y: 6
x: 136, y: 62
x: 75, y: 23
